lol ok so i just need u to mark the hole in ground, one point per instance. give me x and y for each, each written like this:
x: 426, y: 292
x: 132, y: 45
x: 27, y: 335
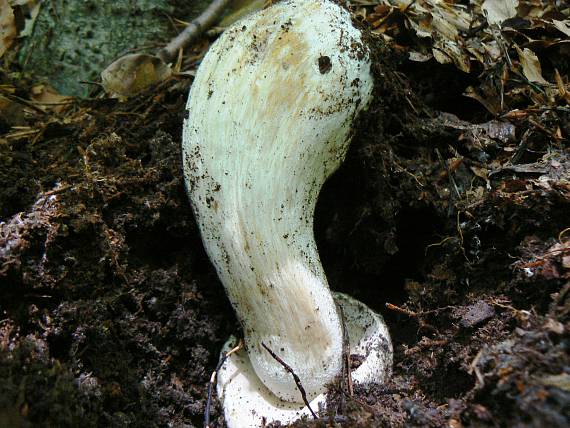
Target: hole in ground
x: 367, y: 257
x: 448, y: 382
x: 155, y: 247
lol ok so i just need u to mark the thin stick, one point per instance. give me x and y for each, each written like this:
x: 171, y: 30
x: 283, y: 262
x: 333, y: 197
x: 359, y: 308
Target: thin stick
x: 213, y: 379
x: 412, y: 314
x: 561, y: 234
x: 193, y: 30
x: 58, y: 190
x: 346, y: 352
x: 404, y: 311
x: 295, y: 377
x: 89, y: 82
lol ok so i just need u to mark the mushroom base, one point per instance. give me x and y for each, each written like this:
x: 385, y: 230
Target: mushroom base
x: 248, y: 403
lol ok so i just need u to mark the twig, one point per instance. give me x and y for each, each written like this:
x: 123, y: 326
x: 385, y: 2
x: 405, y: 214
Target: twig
x: 438, y: 244
x: 404, y: 170
x: 473, y: 368
x: 425, y: 343
x: 460, y: 233
x: 58, y: 190
x: 346, y: 372
x: 404, y: 311
x: 521, y: 149
x: 561, y: 234
x: 437, y: 310
x: 295, y: 377
x: 412, y: 314
x: 55, y: 103
x: 346, y: 353
x: 25, y: 102
x: 90, y: 82
x: 193, y: 30
x: 213, y: 379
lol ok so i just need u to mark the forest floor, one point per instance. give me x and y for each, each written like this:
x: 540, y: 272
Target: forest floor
x: 450, y: 216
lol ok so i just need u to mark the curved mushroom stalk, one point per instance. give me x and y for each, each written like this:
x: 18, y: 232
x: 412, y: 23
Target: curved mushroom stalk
x: 270, y: 115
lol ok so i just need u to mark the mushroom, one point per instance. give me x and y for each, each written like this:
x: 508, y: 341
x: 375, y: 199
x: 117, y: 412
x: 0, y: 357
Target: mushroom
x: 269, y: 120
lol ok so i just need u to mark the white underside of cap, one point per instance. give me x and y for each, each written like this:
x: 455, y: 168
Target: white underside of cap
x: 247, y: 403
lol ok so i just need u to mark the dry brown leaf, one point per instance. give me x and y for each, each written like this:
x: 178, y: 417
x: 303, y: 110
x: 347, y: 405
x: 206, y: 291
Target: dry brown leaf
x: 419, y: 56
x: 562, y: 92
x: 563, y: 26
x: 133, y: 73
x: 447, y: 51
x: 482, y: 173
x: 8, y: 31
x: 453, y: 15
x: 422, y: 28
x: 530, y: 66
x: 47, y: 98
x: 498, y: 11
x: 441, y: 56
x: 444, y: 26
x: 493, y: 51
x: 476, y: 49
x: 538, y: 8
x: 490, y: 102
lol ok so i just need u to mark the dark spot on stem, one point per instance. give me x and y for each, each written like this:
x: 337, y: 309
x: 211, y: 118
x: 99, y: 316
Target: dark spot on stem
x: 325, y: 64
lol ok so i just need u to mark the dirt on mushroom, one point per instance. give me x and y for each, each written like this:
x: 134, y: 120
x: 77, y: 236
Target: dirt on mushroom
x: 111, y: 314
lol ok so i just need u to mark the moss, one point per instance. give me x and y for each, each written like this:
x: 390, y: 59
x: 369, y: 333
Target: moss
x: 73, y: 41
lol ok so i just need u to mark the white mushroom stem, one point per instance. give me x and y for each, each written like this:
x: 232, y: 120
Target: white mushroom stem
x: 270, y: 115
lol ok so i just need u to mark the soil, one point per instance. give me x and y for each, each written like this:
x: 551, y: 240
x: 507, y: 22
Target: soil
x: 111, y: 314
